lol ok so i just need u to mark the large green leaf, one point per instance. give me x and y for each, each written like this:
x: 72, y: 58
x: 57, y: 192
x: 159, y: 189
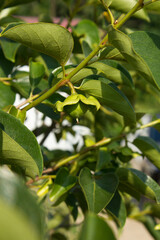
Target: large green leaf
x: 89, y: 32
x: 149, y: 148
x: 11, y: 153
x: 47, y: 38
x: 111, y: 96
x: 126, y: 5
x: 16, y: 137
x: 9, y: 48
x: 14, y: 225
x: 7, y: 96
x: 144, y: 58
x: 139, y: 182
x: 95, y: 228
x: 14, y: 193
x: 116, y: 208
x: 63, y: 183
x: 98, y: 190
x: 11, y: 3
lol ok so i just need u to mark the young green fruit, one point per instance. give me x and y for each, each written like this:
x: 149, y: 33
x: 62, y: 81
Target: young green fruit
x: 76, y: 105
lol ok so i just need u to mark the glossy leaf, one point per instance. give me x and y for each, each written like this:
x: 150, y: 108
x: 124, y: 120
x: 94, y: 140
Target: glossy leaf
x: 139, y: 182
x: 89, y: 32
x: 36, y: 73
x: 63, y: 183
x: 149, y: 148
x: 111, y: 96
x: 48, y: 38
x: 95, y: 228
x: 7, y: 96
x: 98, y: 190
x: 14, y: 193
x: 17, y: 136
x: 9, y: 48
x: 116, y: 208
x: 135, y: 52
x: 126, y: 5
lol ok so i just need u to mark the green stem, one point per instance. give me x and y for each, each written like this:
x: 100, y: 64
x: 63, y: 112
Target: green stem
x: 46, y: 94
x: 151, y: 124
x: 82, y: 153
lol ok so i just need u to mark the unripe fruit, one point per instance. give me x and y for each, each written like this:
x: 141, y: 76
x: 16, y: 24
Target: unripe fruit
x: 76, y: 105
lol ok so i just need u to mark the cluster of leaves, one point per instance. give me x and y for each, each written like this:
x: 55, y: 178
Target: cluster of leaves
x: 111, y: 84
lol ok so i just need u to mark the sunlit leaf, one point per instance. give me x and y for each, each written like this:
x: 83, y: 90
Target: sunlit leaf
x: 47, y: 38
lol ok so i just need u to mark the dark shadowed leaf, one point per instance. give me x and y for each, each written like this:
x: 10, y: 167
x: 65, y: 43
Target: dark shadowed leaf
x: 36, y: 73
x: 9, y: 48
x: 98, y: 190
x: 7, y: 96
x: 116, y: 208
x: 139, y: 182
x: 149, y: 148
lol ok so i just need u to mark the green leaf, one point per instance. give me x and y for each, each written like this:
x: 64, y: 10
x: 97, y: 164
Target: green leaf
x: 154, y: 7
x: 89, y: 32
x: 144, y: 62
x: 15, y: 136
x: 36, y: 73
x: 139, y: 182
x: 98, y: 190
x: 63, y: 183
x: 48, y: 38
x: 111, y: 53
x: 7, y: 96
x: 14, y: 225
x: 113, y: 71
x: 5, y: 66
x: 95, y: 228
x: 111, y: 96
x: 9, y: 48
x: 126, y: 5
x: 149, y: 148
x: 14, y: 193
x: 116, y: 208
x: 11, y: 153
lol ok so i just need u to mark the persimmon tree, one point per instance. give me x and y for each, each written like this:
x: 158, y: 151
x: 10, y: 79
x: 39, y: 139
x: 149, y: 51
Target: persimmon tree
x: 111, y: 78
